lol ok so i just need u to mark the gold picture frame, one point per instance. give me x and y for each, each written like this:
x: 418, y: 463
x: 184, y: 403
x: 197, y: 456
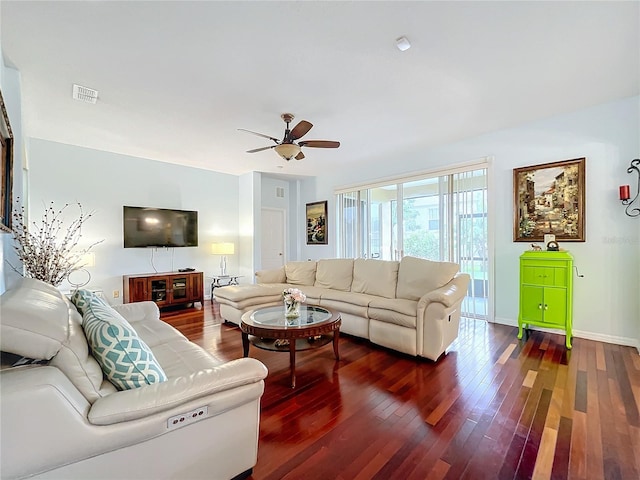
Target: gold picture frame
x: 316, y: 223
x: 6, y: 192
x: 550, y: 199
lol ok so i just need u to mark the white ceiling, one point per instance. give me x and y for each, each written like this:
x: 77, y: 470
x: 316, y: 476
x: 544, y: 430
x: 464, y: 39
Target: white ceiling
x: 177, y: 79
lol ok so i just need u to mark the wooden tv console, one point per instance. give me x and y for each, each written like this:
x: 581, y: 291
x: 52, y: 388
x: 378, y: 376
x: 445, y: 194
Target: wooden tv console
x: 166, y: 289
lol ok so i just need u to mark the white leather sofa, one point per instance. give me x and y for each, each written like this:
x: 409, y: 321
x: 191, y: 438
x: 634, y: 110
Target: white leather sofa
x: 412, y: 306
x: 63, y: 419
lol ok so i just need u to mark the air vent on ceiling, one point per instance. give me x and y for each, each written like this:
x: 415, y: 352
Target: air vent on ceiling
x: 280, y: 192
x: 85, y: 94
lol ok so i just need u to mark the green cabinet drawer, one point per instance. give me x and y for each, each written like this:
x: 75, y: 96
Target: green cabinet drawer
x: 544, y: 276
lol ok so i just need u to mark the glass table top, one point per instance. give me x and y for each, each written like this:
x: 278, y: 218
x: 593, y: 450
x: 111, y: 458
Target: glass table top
x: 274, y: 316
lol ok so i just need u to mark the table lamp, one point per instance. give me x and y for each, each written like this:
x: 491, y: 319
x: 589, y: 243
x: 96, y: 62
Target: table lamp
x: 223, y: 249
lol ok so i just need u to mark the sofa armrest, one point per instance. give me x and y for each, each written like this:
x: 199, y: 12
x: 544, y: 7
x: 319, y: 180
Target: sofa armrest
x: 449, y: 294
x: 145, y: 401
x: 439, y: 317
x: 138, y: 311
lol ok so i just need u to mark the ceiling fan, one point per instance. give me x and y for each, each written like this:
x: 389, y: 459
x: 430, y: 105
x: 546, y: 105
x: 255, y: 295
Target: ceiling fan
x: 287, y: 148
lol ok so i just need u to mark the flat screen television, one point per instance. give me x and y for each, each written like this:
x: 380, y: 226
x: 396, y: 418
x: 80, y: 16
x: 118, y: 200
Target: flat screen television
x: 159, y: 227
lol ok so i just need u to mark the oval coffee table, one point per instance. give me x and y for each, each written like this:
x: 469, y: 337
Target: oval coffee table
x: 315, y: 327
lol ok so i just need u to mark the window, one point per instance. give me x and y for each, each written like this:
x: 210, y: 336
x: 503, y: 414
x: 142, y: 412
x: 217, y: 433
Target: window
x: 440, y: 217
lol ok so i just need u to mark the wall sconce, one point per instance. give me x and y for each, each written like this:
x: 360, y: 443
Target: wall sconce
x: 625, y: 194
x: 87, y: 259
x: 223, y: 249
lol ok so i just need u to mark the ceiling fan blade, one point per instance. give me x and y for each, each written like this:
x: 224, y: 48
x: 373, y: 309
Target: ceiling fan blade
x: 299, y: 156
x: 259, y: 134
x: 319, y: 144
x: 260, y: 149
x: 300, y: 129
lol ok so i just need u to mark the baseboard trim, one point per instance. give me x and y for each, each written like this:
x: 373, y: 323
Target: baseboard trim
x: 599, y: 337
x: 506, y: 321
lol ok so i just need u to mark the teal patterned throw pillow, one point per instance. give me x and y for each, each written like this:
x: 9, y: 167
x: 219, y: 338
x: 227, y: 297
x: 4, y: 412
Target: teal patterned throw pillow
x: 125, y: 359
x: 83, y: 298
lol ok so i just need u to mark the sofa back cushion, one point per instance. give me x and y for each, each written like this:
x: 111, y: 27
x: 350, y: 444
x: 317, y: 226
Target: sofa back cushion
x: 75, y: 360
x: 418, y: 276
x: 34, y: 320
x: 375, y: 277
x: 271, y: 276
x: 301, y: 273
x: 335, y: 273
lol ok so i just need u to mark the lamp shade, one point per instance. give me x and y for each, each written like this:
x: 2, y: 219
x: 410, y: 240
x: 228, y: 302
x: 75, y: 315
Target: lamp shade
x: 222, y: 248
x: 87, y: 260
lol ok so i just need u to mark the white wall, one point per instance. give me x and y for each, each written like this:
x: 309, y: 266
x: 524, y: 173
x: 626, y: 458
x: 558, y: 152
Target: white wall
x: 250, y: 193
x: 319, y: 189
x: 606, y: 300
x: 294, y: 212
x: 103, y: 182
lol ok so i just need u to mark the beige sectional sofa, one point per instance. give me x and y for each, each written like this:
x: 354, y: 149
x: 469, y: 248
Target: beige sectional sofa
x: 412, y: 306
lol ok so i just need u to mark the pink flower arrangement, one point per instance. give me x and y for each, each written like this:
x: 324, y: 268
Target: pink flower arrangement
x: 293, y: 294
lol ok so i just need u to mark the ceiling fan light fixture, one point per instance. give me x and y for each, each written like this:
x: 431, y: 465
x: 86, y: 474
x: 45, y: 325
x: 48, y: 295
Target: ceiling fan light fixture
x: 287, y: 150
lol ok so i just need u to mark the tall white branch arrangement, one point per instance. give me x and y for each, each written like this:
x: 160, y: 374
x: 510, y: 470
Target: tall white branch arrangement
x: 48, y: 250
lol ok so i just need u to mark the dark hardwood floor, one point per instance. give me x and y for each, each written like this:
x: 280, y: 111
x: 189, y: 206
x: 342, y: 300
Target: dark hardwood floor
x: 492, y: 408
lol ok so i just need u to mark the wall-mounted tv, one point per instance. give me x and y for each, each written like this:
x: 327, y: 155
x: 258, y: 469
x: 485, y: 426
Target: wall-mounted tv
x: 159, y: 227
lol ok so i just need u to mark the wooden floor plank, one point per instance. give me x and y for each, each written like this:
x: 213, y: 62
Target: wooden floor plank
x: 562, y: 451
x: 546, y: 454
x: 595, y: 460
x: 600, y: 362
x: 534, y: 437
x: 578, y: 455
x: 492, y: 407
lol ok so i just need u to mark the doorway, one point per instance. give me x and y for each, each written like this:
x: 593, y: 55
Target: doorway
x: 272, y: 238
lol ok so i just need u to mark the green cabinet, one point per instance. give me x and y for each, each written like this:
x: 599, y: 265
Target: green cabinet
x: 546, y: 291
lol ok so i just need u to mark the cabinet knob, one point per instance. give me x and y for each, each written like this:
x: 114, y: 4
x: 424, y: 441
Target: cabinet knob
x: 546, y: 307
x: 539, y: 306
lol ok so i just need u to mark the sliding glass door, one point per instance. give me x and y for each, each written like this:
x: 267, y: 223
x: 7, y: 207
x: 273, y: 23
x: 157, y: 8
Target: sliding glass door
x: 423, y: 214
x: 440, y: 217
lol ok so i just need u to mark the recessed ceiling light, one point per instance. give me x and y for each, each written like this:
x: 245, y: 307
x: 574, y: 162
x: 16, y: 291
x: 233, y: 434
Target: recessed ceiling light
x: 403, y: 44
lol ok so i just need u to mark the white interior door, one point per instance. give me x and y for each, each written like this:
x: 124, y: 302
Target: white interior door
x: 272, y: 239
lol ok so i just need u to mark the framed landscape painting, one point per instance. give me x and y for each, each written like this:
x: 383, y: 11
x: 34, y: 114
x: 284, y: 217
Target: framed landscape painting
x: 549, y: 199
x: 317, y: 223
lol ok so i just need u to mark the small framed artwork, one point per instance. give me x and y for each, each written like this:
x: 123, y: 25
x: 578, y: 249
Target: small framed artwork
x: 549, y: 199
x: 6, y: 138
x: 317, y: 223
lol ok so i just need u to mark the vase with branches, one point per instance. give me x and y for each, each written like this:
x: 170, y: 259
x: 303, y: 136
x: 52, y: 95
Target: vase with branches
x: 49, y: 250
